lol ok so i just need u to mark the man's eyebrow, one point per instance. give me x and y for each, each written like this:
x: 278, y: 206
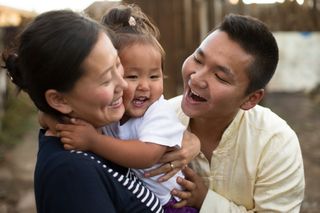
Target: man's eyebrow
x: 223, y: 69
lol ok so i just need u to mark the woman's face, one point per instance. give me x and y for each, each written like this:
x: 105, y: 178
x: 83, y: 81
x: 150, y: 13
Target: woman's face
x: 97, y: 96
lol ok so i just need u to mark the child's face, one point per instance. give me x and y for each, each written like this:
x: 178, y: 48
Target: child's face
x: 143, y: 72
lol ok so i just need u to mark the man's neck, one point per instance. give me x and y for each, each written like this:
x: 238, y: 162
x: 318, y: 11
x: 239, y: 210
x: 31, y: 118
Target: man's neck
x: 210, y: 132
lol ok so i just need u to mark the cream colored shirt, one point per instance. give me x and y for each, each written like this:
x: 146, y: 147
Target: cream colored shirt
x: 257, y: 166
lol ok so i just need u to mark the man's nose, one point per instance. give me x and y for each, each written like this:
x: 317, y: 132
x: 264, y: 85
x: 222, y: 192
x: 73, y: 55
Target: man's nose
x: 198, y: 79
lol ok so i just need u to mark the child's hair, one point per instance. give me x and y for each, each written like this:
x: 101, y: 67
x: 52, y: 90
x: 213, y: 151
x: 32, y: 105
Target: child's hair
x: 131, y: 26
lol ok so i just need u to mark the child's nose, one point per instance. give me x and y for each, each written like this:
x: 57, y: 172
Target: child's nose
x: 143, y: 85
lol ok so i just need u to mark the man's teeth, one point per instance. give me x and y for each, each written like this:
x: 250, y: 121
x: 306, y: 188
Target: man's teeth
x: 196, y: 96
x: 194, y: 93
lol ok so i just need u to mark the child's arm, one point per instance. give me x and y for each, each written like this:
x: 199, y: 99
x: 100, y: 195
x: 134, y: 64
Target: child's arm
x: 129, y: 153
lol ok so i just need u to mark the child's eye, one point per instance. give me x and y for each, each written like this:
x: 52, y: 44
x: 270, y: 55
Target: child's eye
x: 154, y: 76
x: 131, y: 76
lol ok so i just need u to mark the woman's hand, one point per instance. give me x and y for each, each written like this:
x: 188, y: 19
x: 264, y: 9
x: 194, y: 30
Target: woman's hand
x: 194, y: 192
x: 176, y: 159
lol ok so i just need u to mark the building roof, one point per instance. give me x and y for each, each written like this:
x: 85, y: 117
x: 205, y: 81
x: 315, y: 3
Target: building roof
x: 12, y: 17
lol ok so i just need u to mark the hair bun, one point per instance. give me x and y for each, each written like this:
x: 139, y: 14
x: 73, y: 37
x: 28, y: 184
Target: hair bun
x: 13, y: 72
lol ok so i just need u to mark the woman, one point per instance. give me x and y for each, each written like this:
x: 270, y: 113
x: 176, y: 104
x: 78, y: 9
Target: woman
x: 69, y: 67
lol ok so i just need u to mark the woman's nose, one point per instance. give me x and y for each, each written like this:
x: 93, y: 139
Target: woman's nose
x: 121, y: 84
x: 197, y: 79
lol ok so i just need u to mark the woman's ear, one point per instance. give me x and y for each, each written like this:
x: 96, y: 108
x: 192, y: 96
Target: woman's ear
x: 57, y: 101
x: 253, y: 99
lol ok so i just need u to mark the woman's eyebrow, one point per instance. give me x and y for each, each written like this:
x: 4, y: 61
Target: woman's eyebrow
x: 106, y: 71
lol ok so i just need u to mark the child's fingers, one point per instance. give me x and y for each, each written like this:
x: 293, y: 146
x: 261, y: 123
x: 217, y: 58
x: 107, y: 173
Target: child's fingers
x: 68, y: 146
x: 65, y: 134
x: 66, y: 140
x: 66, y: 127
x: 78, y: 121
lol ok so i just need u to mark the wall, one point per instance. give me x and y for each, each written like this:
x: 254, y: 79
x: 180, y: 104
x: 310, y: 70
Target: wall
x: 299, y: 62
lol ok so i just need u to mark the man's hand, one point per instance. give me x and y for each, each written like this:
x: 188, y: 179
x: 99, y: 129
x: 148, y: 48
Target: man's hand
x: 194, y: 192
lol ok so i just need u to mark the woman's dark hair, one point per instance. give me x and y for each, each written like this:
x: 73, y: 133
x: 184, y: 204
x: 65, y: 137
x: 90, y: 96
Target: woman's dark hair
x: 255, y: 38
x: 49, y: 55
x: 131, y: 26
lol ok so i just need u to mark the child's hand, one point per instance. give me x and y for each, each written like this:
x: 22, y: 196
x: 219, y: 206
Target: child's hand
x: 194, y: 192
x: 78, y: 135
x: 48, y: 122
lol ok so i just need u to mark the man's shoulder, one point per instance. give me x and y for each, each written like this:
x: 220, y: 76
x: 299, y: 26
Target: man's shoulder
x: 175, y: 102
x: 264, y: 116
x: 266, y: 121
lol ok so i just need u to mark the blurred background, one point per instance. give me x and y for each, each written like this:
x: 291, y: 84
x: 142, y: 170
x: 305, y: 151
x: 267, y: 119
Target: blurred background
x: 293, y: 93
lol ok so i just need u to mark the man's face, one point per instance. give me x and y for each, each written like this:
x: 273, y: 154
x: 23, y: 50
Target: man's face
x: 215, y: 78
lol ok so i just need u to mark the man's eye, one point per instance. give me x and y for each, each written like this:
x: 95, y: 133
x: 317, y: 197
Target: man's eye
x: 221, y: 79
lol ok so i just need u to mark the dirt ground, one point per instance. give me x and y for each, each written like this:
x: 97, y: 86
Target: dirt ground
x: 302, y: 114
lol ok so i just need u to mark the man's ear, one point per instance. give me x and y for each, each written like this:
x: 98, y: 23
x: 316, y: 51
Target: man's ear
x: 57, y: 101
x: 252, y: 99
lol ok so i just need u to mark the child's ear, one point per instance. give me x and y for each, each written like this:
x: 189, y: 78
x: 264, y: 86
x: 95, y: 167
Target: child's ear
x: 253, y: 99
x: 57, y: 101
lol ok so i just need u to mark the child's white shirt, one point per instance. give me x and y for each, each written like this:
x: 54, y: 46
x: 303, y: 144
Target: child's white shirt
x: 159, y: 125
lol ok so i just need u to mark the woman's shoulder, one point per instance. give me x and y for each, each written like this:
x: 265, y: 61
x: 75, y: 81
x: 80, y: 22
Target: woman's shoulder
x: 52, y: 156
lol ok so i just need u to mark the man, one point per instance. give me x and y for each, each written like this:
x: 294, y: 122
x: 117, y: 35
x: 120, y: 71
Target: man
x: 250, y: 158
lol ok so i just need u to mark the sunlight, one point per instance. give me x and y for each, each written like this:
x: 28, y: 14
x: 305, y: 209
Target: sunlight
x: 262, y: 1
x: 40, y: 6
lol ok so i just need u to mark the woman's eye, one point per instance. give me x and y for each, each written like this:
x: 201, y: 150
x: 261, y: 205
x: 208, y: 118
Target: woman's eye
x: 106, y: 82
x: 196, y: 59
